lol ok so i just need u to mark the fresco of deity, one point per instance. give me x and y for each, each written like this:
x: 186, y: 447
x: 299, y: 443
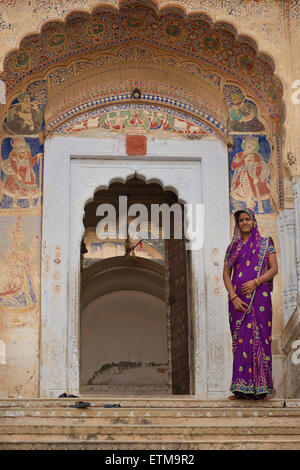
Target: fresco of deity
x: 243, y: 115
x: 251, y: 174
x: 135, y: 120
x: 118, y: 122
x: 106, y: 123
x: 166, y: 123
x: 16, y: 272
x: 148, y: 120
x: 20, y: 181
x: 154, y: 121
x: 24, y: 117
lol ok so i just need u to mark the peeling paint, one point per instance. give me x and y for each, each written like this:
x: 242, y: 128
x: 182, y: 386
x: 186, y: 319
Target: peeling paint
x: 214, y: 252
x: 57, y: 289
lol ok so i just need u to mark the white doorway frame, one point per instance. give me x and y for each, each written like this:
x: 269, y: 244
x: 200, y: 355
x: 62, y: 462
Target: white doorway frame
x: 74, y: 168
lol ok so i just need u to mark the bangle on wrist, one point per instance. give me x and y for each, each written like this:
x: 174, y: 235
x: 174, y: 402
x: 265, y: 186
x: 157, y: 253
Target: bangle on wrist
x: 256, y: 282
x: 233, y: 297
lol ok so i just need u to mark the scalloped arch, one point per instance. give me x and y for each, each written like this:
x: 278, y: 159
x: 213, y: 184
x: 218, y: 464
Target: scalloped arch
x: 127, y: 5
x: 169, y: 28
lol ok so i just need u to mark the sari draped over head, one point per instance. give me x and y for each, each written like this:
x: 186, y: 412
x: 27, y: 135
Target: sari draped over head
x: 251, y: 330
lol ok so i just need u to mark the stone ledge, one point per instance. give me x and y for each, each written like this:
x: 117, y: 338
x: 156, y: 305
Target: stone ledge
x: 291, y: 331
x: 159, y: 445
x: 293, y: 403
x: 142, y: 402
x: 154, y: 415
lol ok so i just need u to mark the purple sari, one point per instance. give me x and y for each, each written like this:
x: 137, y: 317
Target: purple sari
x: 251, y: 330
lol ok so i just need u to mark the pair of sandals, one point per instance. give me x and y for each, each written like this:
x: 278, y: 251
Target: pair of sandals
x: 87, y: 404
x: 245, y: 396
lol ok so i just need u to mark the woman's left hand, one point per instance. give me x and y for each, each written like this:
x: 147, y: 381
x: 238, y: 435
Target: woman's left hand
x: 248, y: 287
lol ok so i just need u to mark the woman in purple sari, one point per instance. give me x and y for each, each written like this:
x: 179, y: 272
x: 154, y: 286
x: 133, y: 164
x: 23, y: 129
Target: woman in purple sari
x: 250, y: 265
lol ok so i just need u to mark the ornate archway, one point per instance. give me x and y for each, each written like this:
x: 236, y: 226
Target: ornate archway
x: 88, y: 164
x: 200, y: 83
x: 195, y: 78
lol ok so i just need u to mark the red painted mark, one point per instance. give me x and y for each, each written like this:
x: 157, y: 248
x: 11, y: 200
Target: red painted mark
x: 136, y: 145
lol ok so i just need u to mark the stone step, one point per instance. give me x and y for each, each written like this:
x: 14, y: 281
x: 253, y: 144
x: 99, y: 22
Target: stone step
x: 143, y: 416
x: 157, y: 436
x: 149, y: 423
x: 138, y: 414
x: 212, y: 444
x: 157, y: 402
x: 246, y: 427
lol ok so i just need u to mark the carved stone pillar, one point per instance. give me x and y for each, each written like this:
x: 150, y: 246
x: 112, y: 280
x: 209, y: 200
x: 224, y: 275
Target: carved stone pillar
x: 286, y: 229
x: 293, y: 171
x: 291, y: 332
x: 296, y: 193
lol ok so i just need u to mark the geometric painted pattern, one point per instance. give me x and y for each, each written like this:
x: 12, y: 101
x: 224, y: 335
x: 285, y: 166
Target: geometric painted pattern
x: 170, y: 29
x: 168, y: 40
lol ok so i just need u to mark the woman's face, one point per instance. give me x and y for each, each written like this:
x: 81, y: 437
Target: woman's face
x: 245, y: 222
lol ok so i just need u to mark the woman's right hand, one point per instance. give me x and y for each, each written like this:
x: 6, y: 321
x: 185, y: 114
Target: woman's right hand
x: 239, y: 304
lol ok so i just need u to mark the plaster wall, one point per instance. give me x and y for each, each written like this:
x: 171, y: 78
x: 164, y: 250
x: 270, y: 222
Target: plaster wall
x: 123, y: 344
x: 19, y: 312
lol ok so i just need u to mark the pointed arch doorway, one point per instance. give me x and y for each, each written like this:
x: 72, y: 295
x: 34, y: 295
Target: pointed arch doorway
x: 198, y: 173
x: 135, y: 324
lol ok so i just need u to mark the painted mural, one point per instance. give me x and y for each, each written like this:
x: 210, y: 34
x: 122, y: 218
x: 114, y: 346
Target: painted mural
x: 264, y: 16
x: 107, y: 37
x: 25, y: 114
x: 250, y: 174
x: 175, y: 32
x: 85, y: 42
x: 243, y: 112
x: 140, y: 119
x: 250, y: 157
x: 21, y: 172
x: 24, y: 117
x: 243, y: 115
x: 20, y: 262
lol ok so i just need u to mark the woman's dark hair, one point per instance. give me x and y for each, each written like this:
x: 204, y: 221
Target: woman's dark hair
x: 238, y: 213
